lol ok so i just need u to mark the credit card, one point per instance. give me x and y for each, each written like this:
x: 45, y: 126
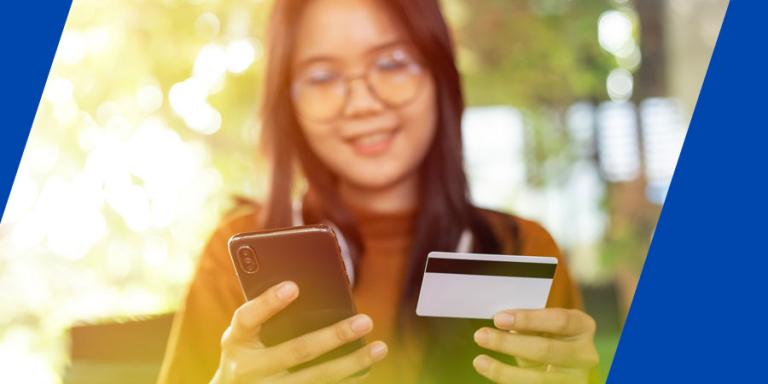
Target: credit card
x: 477, y: 286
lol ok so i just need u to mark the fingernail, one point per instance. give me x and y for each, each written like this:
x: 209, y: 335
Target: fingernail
x: 287, y: 290
x: 481, y: 336
x: 378, y: 350
x: 504, y: 320
x: 361, y: 324
x: 481, y: 363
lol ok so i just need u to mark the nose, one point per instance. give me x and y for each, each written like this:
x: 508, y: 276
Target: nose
x: 361, y: 101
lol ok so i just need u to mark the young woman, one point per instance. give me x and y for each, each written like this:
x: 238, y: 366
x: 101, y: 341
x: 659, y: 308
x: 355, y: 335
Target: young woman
x: 364, y: 99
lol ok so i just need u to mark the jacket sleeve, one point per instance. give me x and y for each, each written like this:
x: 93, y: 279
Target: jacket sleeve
x: 536, y: 241
x: 192, y: 354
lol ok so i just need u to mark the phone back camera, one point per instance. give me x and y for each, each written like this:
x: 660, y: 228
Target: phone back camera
x: 248, y: 261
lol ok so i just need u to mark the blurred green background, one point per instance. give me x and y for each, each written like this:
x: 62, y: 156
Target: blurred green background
x: 149, y: 123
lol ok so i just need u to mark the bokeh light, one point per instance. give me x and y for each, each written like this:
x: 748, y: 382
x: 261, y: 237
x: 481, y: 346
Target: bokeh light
x: 619, y: 84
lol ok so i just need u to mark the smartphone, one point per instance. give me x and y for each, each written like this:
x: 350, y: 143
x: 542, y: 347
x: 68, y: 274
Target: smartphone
x: 308, y: 256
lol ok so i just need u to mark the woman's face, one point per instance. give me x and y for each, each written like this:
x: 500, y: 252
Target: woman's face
x: 365, y: 104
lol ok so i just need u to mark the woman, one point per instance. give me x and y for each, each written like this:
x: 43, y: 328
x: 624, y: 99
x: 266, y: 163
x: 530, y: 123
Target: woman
x: 365, y: 97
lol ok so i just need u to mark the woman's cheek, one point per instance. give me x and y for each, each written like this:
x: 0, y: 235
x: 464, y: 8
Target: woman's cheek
x: 338, y: 156
x: 331, y: 151
x: 325, y: 146
x: 420, y: 125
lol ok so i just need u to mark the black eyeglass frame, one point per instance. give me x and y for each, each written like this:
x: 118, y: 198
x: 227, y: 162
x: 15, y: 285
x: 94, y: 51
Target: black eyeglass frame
x: 365, y: 76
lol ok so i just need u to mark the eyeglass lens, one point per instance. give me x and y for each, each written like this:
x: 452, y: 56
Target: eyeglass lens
x: 321, y: 92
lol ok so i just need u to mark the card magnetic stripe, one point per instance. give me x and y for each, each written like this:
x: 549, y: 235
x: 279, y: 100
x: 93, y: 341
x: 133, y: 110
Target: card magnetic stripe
x: 491, y: 268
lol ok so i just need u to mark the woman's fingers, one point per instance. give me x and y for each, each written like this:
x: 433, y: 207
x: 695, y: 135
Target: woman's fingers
x: 245, y: 365
x: 556, y: 321
x: 243, y: 356
x: 250, y: 316
x: 341, y: 368
x: 566, y: 353
x: 499, y: 372
x: 555, y: 337
x: 310, y: 346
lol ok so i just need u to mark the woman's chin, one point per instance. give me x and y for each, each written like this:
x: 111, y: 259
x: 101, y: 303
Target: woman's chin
x: 372, y: 184
x: 374, y: 179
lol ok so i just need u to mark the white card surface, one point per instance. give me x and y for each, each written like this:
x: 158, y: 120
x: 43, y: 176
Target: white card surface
x: 477, y: 286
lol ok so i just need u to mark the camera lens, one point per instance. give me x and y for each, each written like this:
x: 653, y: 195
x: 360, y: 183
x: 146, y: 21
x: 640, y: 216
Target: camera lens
x: 248, y: 261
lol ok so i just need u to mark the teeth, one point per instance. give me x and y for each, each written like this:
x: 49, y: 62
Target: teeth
x: 372, y: 139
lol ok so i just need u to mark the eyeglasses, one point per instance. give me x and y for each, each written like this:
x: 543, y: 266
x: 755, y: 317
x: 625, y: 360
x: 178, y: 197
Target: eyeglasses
x: 394, y: 77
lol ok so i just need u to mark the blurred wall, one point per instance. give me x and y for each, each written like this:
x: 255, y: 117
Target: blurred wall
x: 692, y: 26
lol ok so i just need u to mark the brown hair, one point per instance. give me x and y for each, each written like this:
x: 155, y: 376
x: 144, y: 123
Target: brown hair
x: 444, y: 206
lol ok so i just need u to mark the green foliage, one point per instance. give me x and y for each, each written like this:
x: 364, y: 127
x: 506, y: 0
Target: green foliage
x: 531, y: 53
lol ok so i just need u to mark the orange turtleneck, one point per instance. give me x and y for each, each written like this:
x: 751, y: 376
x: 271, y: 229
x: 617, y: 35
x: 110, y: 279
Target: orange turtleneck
x: 378, y: 288
x: 381, y: 271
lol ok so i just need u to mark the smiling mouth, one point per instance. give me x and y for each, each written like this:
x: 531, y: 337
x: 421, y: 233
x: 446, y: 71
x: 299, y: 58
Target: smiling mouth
x: 373, y: 144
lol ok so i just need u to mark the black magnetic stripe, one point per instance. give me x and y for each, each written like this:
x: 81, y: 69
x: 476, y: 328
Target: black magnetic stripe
x: 491, y: 268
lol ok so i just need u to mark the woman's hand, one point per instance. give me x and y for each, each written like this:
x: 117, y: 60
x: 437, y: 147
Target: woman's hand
x: 552, y: 345
x: 245, y: 359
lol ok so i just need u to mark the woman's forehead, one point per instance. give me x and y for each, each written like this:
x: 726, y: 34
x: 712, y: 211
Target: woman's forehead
x: 343, y: 30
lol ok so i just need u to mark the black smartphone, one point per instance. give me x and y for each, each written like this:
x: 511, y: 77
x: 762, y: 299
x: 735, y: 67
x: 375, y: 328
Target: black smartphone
x: 308, y: 256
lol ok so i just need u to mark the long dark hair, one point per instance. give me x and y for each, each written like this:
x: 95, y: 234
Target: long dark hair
x: 444, y: 206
